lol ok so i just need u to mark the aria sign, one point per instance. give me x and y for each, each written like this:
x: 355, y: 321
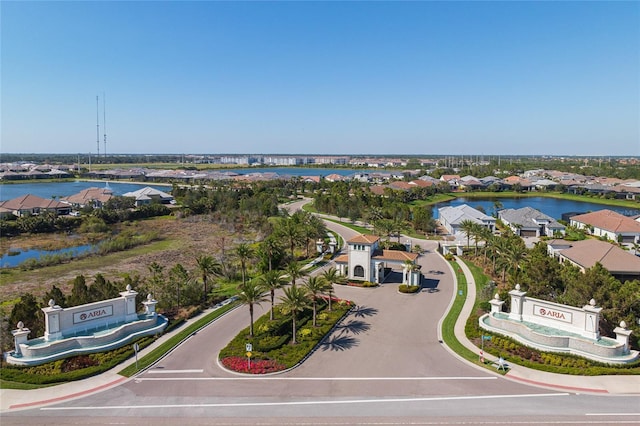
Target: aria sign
x: 104, y: 311
x: 553, y: 314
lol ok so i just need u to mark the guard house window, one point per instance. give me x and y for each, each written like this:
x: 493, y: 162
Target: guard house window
x: 358, y: 271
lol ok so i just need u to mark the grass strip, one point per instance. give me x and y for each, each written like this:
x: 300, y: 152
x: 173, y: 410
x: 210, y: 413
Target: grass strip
x: 175, y: 340
x: 360, y: 229
x: 448, y: 324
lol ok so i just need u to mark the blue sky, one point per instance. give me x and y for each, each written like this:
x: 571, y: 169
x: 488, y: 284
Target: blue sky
x: 488, y: 78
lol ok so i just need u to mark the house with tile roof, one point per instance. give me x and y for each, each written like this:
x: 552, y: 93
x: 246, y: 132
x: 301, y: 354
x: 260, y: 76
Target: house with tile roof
x: 610, y: 224
x: 586, y: 253
x: 365, y: 261
x: 94, y: 197
x: 452, y: 217
x: 29, y: 204
x: 529, y: 222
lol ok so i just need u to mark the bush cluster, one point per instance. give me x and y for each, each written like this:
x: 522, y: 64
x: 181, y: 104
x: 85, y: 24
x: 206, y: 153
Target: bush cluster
x: 404, y: 288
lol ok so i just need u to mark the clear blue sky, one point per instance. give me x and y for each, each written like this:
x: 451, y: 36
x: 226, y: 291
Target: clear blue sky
x: 322, y: 77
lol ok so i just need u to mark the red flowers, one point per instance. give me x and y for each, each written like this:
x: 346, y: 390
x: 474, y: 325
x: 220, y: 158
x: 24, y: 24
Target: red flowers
x: 258, y: 366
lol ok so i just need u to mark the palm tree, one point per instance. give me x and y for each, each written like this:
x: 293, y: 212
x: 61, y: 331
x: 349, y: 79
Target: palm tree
x: 410, y: 267
x: 289, y: 229
x: 295, y: 300
x: 331, y: 277
x: 315, y: 286
x: 251, y: 293
x: 207, y: 266
x: 515, y: 254
x: 272, y: 280
x: 244, y: 253
x: 295, y: 271
x: 269, y: 248
x: 467, y: 226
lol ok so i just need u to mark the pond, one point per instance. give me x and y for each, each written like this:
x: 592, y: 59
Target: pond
x: 64, y: 189
x: 553, y: 207
x: 15, y: 258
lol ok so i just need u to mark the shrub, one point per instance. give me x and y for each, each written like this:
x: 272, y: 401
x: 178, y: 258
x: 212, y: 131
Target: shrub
x: 403, y: 288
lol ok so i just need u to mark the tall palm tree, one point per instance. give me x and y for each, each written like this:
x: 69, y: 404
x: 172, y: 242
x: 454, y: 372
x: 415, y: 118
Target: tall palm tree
x: 331, y: 277
x: 244, y: 253
x: 295, y: 300
x: 290, y: 231
x: 251, y: 293
x: 516, y: 253
x: 207, y: 266
x: 272, y: 280
x: 295, y: 271
x: 269, y: 249
x: 467, y: 226
x: 315, y: 286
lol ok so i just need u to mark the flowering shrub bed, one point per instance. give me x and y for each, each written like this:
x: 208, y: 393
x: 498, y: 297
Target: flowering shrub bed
x: 272, y: 348
x: 258, y: 366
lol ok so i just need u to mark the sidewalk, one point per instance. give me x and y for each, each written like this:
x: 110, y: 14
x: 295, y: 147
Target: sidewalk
x: 594, y: 384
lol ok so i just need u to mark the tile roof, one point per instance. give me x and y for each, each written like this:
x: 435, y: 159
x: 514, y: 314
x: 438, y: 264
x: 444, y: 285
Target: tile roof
x: 528, y: 217
x: 90, y: 194
x: 396, y: 255
x: 587, y: 252
x: 30, y: 201
x: 343, y: 258
x: 609, y: 221
x: 364, y: 239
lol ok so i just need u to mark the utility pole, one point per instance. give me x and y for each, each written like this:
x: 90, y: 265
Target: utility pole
x: 98, y: 126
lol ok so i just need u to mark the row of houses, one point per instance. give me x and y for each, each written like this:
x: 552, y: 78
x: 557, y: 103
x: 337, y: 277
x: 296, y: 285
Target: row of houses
x: 28, y: 205
x: 619, y: 188
x: 529, y: 222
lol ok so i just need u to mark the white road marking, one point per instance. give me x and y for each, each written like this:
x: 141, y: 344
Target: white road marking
x: 613, y: 414
x: 157, y: 371
x: 355, y: 379
x: 291, y: 403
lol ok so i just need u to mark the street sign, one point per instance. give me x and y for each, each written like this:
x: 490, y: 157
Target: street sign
x: 249, y: 347
x: 486, y: 337
x: 136, y: 348
x: 249, y: 354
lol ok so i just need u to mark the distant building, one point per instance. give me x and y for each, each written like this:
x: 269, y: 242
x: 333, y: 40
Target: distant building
x: 95, y: 197
x: 33, y: 205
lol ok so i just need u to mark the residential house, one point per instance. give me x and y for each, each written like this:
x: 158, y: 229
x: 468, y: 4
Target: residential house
x: 452, y: 217
x: 94, y: 197
x: 148, y: 195
x: 586, y: 253
x: 529, y: 222
x: 610, y: 224
x: 33, y: 205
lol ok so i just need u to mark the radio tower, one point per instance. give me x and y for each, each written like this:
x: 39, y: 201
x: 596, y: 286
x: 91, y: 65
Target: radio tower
x: 104, y: 122
x: 98, y: 126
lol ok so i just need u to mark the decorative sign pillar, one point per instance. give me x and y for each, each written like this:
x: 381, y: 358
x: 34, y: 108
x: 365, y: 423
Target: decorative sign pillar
x: 52, y: 329
x: 130, y: 304
x: 150, y: 306
x: 320, y: 246
x: 19, y: 336
x: 517, y: 298
x: 458, y: 250
x: 496, y: 304
x: 592, y: 320
x: 378, y: 277
x: 332, y: 247
x: 622, y: 335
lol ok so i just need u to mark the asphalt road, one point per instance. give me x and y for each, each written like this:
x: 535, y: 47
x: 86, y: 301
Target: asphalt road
x: 384, y: 365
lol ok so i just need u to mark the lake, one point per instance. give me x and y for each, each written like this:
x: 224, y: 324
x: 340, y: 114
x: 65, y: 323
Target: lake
x: 553, y: 207
x: 13, y: 259
x: 64, y: 189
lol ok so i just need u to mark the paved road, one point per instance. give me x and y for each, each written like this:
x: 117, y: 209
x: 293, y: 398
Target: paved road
x: 384, y: 364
